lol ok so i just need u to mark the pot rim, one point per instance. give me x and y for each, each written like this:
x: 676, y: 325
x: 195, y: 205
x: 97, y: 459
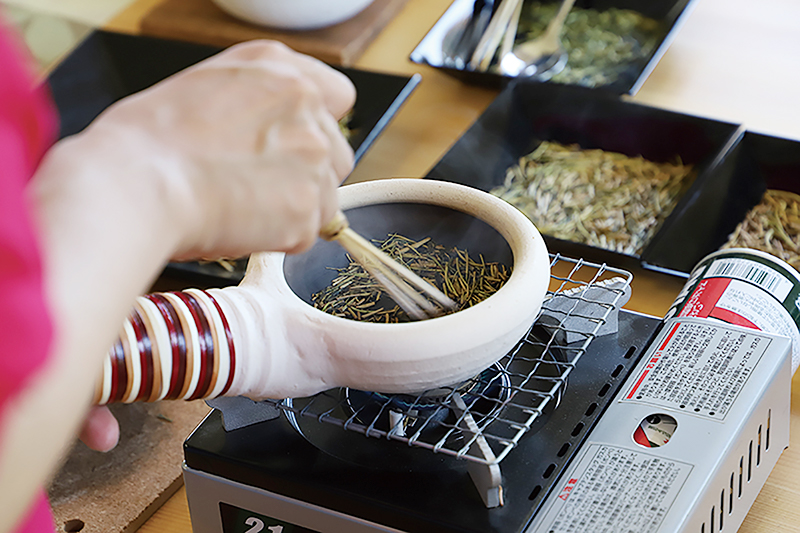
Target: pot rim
x: 528, y: 273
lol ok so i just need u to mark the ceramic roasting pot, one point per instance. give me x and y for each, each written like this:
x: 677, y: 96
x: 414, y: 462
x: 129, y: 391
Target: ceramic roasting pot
x: 412, y: 356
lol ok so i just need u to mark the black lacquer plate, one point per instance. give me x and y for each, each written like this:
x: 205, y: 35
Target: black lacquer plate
x: 433, y: 49
x: 109, y: 66
x: 758, y: 162
x: 527, y: 113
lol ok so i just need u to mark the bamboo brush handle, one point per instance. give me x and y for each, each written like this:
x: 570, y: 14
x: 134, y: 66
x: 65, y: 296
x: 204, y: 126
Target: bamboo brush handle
x: 402, y: 284
x: 175, y: 345
x: 336, y: 226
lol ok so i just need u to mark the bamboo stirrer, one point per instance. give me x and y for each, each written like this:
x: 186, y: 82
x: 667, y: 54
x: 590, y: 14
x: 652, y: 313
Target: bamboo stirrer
x: 413, y: 294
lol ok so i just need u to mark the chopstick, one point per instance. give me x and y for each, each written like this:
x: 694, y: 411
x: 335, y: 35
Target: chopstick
x: 501, y: 26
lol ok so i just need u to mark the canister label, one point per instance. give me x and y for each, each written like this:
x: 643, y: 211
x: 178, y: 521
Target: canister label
x: 747, y: 288
x: 698, y: 367
x: 613, y: 489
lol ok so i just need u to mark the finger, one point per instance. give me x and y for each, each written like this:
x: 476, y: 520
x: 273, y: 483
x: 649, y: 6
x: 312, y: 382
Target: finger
x: 321, y: 129
x: 100, y: 430
x: 336, y: 90
x: 341, y: 153
x: 308, y: 202
x: 329, y: 205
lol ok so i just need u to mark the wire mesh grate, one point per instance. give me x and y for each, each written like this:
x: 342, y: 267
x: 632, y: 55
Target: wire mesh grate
x: 483, y: 418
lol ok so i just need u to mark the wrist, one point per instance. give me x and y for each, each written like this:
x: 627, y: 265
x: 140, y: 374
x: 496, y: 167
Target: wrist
x: 115, y: 182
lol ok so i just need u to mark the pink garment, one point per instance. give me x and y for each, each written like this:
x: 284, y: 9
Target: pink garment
x: 27, y: 127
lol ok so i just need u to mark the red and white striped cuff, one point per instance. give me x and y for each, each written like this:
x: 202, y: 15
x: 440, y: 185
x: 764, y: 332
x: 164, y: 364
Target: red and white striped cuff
x: 174, y: 345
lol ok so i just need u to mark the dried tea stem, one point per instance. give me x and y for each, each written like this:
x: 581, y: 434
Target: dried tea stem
x: 355, y: 295
x: 604, y: 199
x: 772, y: 226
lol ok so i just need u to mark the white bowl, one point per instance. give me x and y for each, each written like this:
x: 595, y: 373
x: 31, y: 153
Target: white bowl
x: 294, y: 14
x: 411, y: 356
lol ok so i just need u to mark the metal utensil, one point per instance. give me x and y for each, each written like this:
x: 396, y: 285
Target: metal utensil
x: 496, y: 30
x: 457, y: 55
x: 510, y: 35
x: 542, y: 57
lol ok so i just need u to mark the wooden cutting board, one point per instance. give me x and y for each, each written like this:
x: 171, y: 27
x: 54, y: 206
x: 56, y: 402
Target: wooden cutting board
x: 116, y: 492
x: 203, y: 22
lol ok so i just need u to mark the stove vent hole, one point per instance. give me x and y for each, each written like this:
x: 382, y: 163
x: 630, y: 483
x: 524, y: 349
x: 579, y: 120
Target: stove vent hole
x: 617, y: 371
x: 713, y: 513
x: 564, y: 449
x: 590, y: 410
x: 741, y: 472
x: 769, y: 421
x: 578, y: 428
x: 535, y: 492
x: 730, y: 496
x: 758, y: 448
x: 630, y: 352
x: 740, y: 478
x: 549, y: 471
x: 602, y: 392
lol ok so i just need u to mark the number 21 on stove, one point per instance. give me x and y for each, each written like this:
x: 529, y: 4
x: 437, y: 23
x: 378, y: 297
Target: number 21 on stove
x: 257, y: 525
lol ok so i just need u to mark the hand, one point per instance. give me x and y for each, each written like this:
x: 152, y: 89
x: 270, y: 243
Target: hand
x: 245, y: 146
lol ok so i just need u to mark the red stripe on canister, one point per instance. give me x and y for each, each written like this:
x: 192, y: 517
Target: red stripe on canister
x: 732, y: 318
x: 152, y: 335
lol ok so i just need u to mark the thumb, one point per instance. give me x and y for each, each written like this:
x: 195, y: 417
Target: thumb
x: 100, y: 430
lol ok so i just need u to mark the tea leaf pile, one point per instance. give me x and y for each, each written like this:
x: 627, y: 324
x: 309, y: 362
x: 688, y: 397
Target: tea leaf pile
x: 772, y: 226
x: 467, y: 280
x: 604, y: 199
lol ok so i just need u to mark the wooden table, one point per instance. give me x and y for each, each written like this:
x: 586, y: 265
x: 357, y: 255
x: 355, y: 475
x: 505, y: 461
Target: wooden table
x: 734, y: 60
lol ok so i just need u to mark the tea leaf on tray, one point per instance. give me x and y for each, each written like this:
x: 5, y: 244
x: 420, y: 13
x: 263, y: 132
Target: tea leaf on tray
x: 604, y: 199
x: 772, y: 226
x: 600, y: 44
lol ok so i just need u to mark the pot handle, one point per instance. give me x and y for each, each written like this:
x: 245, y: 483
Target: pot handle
x: 234, y: 341
x: 173, y: 345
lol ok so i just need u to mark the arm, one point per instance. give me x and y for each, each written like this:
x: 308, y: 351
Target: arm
x: 240, y: 153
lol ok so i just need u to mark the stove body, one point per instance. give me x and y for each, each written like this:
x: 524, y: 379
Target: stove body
x: 602, y: 461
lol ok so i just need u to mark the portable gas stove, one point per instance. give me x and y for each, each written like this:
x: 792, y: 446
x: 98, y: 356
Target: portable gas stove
x: 600, y: 420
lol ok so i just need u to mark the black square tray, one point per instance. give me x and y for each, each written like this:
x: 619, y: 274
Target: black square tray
x: 670, y: 13
x: 527, y: 113
x: 756, y: 163
x: 109, y: 66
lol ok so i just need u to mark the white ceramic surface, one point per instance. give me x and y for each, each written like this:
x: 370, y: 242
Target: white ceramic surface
x: 294, y: 14
x: 324, y: 351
